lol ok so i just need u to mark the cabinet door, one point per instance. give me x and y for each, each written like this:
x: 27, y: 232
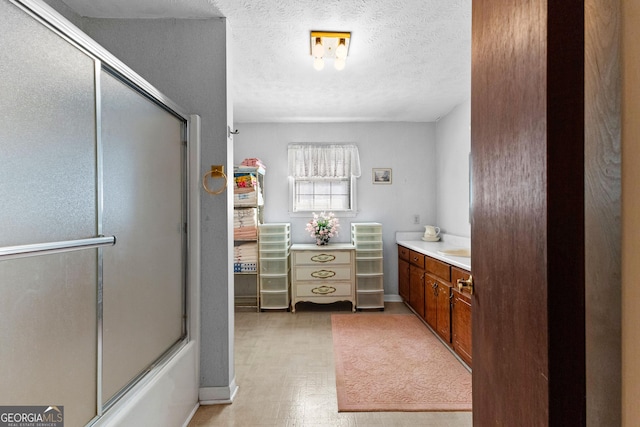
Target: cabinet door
x: 444, y: 312
x: 431, y: 302
x: 403, y: 279
x: 461, y: 325
x: 416, y: 292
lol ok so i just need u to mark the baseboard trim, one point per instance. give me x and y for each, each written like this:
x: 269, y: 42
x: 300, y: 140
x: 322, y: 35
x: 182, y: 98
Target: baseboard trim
x: 218, y: 395
x: 392, y: 298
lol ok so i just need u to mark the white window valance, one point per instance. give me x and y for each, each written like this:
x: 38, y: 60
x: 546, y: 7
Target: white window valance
x: 323, y: 161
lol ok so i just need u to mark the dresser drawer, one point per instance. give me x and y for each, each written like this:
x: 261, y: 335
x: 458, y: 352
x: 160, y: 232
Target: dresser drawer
x: 329, y: 289
x: 403, y: 253
x: 438, y: 268
x: 322, y: 257
x: 416, y: 258
x: 322, y: 273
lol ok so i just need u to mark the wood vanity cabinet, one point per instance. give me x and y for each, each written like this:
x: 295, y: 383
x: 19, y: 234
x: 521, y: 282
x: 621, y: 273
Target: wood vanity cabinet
x: 429, y: 286
x: 403, y: 273
x: 461, y: 325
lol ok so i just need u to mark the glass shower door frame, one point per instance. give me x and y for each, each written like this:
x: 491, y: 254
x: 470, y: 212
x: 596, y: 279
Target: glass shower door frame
x: 104, y: 61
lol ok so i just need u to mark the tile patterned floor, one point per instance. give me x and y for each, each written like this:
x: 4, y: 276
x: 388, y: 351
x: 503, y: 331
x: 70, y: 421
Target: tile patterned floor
x: 285, y: 376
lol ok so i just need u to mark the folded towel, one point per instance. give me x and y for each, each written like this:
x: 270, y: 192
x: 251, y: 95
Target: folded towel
x: 254, y: 162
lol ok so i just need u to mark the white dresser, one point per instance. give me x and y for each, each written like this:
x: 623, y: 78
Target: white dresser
x: 323, y: 274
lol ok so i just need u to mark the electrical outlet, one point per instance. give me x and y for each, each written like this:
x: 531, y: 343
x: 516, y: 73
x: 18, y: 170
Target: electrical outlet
x: 416, y: 219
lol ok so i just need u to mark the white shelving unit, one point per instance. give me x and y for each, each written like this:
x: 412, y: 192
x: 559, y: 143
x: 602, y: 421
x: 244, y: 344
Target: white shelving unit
x: 367, y: 238
x: 274, y: 245
x: 248, y: 215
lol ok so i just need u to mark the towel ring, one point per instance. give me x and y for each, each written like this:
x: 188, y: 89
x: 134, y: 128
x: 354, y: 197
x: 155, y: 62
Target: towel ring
x: 215, y: 172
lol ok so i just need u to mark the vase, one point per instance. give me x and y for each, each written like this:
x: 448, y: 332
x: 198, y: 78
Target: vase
x: 322, y: 240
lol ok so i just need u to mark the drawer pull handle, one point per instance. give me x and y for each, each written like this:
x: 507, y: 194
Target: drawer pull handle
x: 323, y: 290
x: 323, y: 274
x: 323, y: 258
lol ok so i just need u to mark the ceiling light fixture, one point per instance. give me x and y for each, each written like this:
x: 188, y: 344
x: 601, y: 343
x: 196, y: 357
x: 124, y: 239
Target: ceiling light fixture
x: 332, y: 45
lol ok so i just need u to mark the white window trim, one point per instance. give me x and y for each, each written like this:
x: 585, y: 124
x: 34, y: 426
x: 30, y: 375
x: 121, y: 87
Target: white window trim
x: 340, y: 214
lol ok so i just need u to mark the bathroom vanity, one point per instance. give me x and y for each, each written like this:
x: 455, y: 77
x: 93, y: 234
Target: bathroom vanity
x: 428, y: 274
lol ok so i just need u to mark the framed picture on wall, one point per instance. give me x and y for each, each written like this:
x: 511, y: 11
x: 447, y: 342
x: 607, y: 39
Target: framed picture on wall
x: 381, y: 175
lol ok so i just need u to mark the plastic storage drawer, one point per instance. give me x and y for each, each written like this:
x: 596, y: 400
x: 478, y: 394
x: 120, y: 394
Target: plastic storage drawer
x: 366, y: 228
x: 274, y: 283
x: 280, y: 237
x: 275, y: 228
x: 370, y: 283
x: 283, y: 253
x: 369, y: 266
x: 370, y: 299
x: 274, y: 299
x: 362, y: 238
x: 375, y: 253
x: 274, y: 246
x: 368, y: 246
x: 274, y: 265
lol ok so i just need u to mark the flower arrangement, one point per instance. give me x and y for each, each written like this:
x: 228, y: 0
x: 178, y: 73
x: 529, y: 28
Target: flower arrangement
x: 323, y: 227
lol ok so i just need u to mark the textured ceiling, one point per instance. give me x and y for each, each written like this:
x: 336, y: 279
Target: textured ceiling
x: 408, y: 60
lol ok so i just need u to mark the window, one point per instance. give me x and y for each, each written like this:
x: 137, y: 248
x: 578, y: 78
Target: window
x: 322, y: 194
x: 322, y: 177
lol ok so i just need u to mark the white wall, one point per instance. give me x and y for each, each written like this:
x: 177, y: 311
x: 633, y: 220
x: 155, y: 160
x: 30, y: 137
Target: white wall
x: 453, y: 136
x: 407, y: 148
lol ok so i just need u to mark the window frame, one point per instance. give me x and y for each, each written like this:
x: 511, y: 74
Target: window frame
x: 351, y: 212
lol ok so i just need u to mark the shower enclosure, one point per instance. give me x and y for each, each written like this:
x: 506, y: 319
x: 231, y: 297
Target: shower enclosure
x: 93, y: 233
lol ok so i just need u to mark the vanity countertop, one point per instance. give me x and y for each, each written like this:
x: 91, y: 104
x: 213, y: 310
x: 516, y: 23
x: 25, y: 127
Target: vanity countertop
x: 413, y: 241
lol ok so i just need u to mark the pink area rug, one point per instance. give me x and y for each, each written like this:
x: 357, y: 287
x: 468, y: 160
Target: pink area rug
x: 392, y: 362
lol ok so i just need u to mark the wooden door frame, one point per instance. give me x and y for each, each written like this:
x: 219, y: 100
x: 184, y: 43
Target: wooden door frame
x: 527, y: 143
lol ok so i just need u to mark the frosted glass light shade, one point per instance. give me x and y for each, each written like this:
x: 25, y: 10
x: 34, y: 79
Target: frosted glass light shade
x: 318, y: 63
x: 341, y: 50
x: 339, y: 63
x: 318, y: 48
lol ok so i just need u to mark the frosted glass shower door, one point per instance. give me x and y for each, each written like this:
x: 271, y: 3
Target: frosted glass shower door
x: 84, y: 153
x: 144, y: 178
x: 48, y: 335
